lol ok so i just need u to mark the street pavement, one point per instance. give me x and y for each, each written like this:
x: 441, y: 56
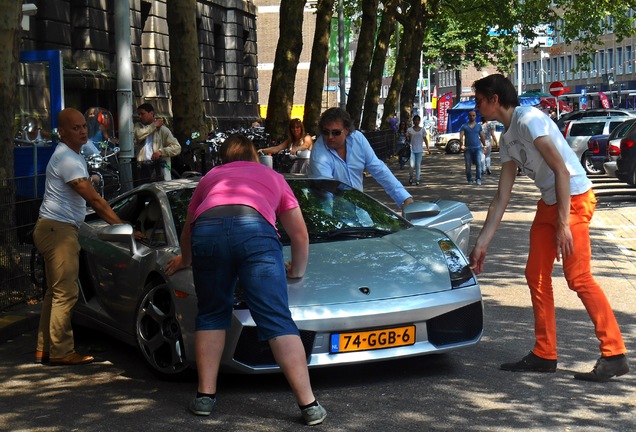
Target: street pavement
x: 460, y: 391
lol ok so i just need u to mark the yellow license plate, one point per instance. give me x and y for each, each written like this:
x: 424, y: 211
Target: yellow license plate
x: 372, y: 339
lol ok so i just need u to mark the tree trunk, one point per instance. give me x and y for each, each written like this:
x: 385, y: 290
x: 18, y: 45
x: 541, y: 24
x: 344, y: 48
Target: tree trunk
x: 185, y: 74
x: 318, y: 65
x: 404, y: 54
x: 372, y: 97
x: 10, y: 34
x: 364, y: 53
x: 288, y: 49
x: 409, y: 87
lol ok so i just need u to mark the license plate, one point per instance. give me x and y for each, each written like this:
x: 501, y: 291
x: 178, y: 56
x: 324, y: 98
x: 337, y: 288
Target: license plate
x: 372, y: 339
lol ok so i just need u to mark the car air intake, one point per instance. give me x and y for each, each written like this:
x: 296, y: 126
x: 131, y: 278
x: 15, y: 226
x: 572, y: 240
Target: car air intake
x: 461, y: 325
x: 251, y: 352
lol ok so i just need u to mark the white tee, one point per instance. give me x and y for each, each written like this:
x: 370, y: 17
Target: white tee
x: 517, y: 144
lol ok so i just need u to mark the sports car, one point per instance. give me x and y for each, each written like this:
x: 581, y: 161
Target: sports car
x: 377, y: 287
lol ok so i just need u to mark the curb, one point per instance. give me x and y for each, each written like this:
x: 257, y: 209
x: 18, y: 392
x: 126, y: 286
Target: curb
x: 20, y: 320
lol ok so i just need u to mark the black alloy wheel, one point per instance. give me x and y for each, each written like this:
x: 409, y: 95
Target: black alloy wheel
x: 158, y: 333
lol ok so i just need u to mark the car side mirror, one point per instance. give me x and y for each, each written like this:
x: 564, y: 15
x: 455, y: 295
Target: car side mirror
x: 120, y: 233
x: 419, y: 210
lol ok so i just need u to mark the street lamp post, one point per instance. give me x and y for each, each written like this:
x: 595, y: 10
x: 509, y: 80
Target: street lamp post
x: 542, y: 71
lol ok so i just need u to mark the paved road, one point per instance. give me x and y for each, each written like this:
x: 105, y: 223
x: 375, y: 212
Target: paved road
x: 461, y: 391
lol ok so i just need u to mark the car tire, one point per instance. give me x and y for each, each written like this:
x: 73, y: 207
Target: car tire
x: 158, y: 333
x: 588, y: 165
x: 453, y: 147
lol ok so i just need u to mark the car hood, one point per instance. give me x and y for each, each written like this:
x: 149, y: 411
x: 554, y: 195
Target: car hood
x: 406, y: 263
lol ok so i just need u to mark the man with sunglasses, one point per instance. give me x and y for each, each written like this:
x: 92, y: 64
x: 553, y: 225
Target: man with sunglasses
x: 343, y: 153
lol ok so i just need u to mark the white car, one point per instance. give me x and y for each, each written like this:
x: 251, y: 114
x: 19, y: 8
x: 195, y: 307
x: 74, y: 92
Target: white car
x: 451, y: 144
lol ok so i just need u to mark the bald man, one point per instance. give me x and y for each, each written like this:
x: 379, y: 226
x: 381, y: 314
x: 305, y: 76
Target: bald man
x: 67, y: 192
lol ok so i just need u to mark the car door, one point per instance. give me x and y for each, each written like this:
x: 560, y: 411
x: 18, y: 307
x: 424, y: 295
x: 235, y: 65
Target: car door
x: 119, y: 269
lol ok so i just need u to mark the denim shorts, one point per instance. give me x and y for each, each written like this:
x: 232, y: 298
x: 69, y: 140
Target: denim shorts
x: 244, y: 248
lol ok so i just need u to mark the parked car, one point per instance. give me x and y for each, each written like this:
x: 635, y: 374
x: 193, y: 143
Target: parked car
x: 626, y: 162
x: 377, y: 286
x: 579, y: 132
x: 450, y: 143
x: 604, y: 148
x: 599, y: 112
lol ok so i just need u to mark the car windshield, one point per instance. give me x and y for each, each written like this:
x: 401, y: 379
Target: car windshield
x: 179, y: 201
x: 332, y: 211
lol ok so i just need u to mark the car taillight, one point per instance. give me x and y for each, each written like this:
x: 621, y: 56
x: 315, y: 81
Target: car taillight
x: 626, y: 144
x: 613, y: 150
x: 567, y: 128
x: 592, y: 145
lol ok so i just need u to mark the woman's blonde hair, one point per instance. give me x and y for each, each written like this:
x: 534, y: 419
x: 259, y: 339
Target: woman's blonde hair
x: 238, y: 148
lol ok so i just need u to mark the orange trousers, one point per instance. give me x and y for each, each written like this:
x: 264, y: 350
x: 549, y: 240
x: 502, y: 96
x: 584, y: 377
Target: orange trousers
x: 577, y: 271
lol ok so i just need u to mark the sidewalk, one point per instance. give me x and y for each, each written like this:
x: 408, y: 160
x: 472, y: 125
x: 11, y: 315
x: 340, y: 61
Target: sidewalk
x: 18, y: 319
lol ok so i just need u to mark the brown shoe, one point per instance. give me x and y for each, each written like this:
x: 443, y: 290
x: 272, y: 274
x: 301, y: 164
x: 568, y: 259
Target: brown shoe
x: 71, y: 359
x: 41, y: 357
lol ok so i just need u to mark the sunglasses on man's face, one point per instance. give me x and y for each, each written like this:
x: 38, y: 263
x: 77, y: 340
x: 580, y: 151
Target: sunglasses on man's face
x: 334, y: 132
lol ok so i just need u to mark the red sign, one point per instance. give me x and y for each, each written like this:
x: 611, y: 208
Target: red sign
x: 603, y: 98
x: 557, y: 89
x: 443, y: 105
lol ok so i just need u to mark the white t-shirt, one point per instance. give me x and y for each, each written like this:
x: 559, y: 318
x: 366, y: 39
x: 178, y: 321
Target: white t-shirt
x: 517, y: 144
x: 61, y: 202
x: 417, y: 139
x: 148, y: 151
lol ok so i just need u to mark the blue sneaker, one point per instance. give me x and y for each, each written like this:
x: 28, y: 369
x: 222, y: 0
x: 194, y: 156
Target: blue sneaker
x: 314, y: 415
x: 202, y: 406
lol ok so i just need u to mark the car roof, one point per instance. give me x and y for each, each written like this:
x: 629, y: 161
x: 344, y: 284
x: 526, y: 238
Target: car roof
x: 601, y: 119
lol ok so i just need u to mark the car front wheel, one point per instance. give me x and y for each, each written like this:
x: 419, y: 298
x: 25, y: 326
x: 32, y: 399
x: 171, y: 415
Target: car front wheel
x: 453, y: 147
x: 158, y: 333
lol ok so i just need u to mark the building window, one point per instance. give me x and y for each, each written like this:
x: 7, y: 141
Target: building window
x: 628, y: 59
x: 601, y: 55
x: 619, y: 60
x: 577, y: 74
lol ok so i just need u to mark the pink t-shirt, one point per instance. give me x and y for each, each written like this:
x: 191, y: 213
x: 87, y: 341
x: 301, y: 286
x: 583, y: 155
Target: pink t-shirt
x: 245, y: 183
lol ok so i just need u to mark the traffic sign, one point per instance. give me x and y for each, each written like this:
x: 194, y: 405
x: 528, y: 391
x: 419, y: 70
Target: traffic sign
x: 557, y: 89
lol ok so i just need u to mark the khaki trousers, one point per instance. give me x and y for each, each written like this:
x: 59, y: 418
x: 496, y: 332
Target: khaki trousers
x: 577, y: 272
x: 58, y: 243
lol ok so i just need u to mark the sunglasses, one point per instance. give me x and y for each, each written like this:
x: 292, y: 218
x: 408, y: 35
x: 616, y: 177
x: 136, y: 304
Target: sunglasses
x: 334, y: 132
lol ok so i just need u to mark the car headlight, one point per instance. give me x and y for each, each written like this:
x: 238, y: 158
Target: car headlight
x: 460, y: 273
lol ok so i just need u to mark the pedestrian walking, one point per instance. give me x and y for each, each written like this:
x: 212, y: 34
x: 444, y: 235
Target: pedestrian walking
x: 471, y: 136
x: 417, y: 137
